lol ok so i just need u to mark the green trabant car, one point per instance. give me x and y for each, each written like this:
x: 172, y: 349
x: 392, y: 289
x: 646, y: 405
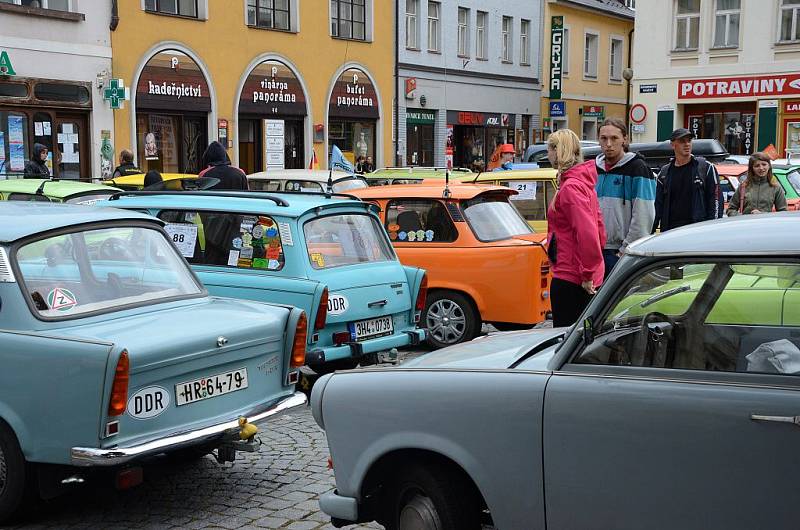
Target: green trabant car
x: 53, y: 190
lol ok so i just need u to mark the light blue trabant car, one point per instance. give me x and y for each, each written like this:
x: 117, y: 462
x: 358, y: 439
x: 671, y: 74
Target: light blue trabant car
x: 673, y: 403
x: 111, y: 350
x: 326, y: 254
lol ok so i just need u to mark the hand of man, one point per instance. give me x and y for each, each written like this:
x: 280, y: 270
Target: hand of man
x: 755, y: 211
x: 588, y: 286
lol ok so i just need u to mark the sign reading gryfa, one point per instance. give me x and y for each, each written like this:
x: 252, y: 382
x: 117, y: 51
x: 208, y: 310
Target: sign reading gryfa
x: 739, y: 87
x: 556, y: 45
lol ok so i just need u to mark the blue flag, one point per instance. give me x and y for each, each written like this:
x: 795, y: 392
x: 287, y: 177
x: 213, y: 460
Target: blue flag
x: 338, y: 161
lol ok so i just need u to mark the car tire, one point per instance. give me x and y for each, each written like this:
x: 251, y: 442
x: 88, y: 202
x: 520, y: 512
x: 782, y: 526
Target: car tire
x: 431, y: 496
x: 13, y: 474
x: 450, y: 318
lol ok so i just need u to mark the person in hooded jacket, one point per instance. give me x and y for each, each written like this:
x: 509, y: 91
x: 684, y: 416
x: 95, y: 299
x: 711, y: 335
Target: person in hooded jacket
x: 36, y: 167
x: 760, y: 192
x: 576, y: 233
x: 218, y: 165
x: 626, y: 190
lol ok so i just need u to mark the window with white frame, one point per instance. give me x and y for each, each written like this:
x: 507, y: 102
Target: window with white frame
x: 565, y: 52
x: 463, y: 32
x: 412, y: 33
x: 59, y: 5
x: 184, y: 8
x: 524, y: 42
x: 349, y: 19
x: 790, y: 25
x: 270, y: 14
x: 434, y: 26
x: 687, y: 24
x: 506, y: 31
x: 726, y: 23
x: 615, y: 59
x: 481, y: 51
x: 630, y: 3
x: 590, y: 48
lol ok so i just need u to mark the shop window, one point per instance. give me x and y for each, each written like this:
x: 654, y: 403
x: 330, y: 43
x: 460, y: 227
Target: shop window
x: 480, y: 35
x: 687, y: 25
x: 62, y: 92
x: 590, y: 43
x: 43, y: 134
x: 269, y: 14
x: 463, y: 32
x: 507, y: 33
x: 184, y: 8
x: 349, y: 19
x: 355, y: 138
x: 434, y: 25
x: 726, y: 24
x: 412, y: 24
x: 421, y: 221
x: 524, y: 42
x: 13, y: 90
x: 615, y: 59
x: 790, y: 13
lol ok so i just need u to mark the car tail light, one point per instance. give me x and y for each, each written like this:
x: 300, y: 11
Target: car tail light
x: 119, y: 389
x: 423, y: 293
x: 299, y: 344
x: 322, y: 311
x: 341, y: 337
x: 544, y: 272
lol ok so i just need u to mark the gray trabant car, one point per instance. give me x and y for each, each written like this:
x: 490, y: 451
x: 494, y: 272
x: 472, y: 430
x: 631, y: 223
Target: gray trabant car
x: 673, y: 403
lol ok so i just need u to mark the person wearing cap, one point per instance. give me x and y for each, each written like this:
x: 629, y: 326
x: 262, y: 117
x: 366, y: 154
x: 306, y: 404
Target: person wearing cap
x: 687, y: 189
x: 506, y: 157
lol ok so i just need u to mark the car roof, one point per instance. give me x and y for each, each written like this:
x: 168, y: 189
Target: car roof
x: 294, y: 204
x: 411, y: 172
x: 513, y: 174
x: 316, y: 175
x: 137, y: 179
x: 733, y: 170
x: 44, y: 216
x: 785, y: 167
x: 765, y: 235
x: 429, y: 189
x: 52, y: 188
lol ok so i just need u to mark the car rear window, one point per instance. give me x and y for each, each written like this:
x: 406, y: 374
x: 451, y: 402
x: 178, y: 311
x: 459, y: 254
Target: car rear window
x: 492, y: 218
x: 533, y: 197
x: 337, y: 240
x: 225, y: 239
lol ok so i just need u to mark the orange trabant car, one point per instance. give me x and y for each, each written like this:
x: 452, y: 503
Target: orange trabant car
x: 484, y: 262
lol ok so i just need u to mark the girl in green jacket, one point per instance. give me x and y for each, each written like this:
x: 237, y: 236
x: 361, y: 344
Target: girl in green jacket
x: 760, y: 192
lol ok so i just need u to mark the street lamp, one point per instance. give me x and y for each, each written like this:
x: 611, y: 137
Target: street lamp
x: 627, y: 74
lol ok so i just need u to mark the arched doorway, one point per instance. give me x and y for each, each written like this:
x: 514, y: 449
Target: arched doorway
x: 353, y: 114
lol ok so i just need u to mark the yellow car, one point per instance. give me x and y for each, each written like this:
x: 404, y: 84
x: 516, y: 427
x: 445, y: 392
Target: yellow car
x: 411, y: 175
x: 172, y: 181
x: 535, y: 188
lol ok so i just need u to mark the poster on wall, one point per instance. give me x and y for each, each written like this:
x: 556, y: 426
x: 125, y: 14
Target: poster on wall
x: 696, y: 125
x: 449, y: 147
x: 749, y: 126
x: 160, y: 141
x: 274, y: 142
x: 16, y: 143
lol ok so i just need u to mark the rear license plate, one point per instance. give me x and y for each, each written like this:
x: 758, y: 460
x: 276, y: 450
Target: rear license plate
x: 374, y: 327
x: 210, y: 387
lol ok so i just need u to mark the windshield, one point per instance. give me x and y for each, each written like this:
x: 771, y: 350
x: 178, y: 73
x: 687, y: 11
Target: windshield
x: 493, y: 218
x: 794, y: 179
x: 348, y: 184
x: 100, y: 270
x: 337, y: 240
x: 90, y: 198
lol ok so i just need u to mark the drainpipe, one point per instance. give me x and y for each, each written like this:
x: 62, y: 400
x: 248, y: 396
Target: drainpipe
x: 396, y: 109
x: 114, y: 16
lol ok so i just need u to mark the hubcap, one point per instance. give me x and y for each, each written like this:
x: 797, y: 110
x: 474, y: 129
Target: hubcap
x: 446, y: 321
x: 3, y: 472
x: 419, y: 514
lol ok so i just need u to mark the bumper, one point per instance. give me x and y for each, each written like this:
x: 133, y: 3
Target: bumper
x: 338, y: 507
x: 93, y: 456
x: 357, y: 349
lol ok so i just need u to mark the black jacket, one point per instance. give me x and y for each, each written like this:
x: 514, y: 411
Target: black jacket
x: 706, y: 193
x: 218, y: 165
x: 125, y: 169
x: 35, y: 168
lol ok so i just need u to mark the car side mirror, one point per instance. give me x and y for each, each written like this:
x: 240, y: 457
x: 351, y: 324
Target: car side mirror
x: 675, y: 272
x: 588, y: 331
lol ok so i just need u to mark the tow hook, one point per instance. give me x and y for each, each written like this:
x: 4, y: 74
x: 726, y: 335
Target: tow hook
x: 227, y: 451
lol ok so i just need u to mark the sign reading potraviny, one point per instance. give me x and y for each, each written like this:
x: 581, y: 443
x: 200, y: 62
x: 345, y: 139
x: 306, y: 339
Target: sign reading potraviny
x: 272, y: 89
x: 171, y: 80
x: 739, y: 87
x: 354, y: 96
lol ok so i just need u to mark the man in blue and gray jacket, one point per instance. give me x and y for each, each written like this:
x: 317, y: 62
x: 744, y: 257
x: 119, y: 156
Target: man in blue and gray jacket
x: 626, y: 190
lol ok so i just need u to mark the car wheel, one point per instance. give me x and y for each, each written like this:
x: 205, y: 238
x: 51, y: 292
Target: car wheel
x: 12, y: 473
x: 431, y: 497
x: 450, y: 319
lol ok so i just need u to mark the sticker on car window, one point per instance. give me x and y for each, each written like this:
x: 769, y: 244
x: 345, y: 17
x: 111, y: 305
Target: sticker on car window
x: 286, y: 234
x: 233, y: 258
x: 246, y: 252
x: 184, y: 235
x: 61, y: 299
x: 402, y: 236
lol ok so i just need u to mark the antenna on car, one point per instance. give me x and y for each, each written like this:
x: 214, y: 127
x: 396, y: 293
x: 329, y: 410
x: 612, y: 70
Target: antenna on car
x: 330, y: 183
x: 446, y: 192
x: 40, y: 189
x: 477, y: 176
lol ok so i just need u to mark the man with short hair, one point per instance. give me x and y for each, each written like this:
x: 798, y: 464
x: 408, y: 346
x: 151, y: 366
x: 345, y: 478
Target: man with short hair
x: 688, y: 187
x: 126, y: 165
x: 626, y: 190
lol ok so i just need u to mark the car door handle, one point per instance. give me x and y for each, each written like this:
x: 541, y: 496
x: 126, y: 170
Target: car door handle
x: 379, y: 303
x: 777, y: 419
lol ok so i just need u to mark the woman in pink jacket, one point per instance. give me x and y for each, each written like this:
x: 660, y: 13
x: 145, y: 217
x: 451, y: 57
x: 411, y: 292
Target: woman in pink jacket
x: 576, y: 233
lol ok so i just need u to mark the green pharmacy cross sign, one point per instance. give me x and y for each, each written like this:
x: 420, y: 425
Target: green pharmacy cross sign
x: 116, y: 93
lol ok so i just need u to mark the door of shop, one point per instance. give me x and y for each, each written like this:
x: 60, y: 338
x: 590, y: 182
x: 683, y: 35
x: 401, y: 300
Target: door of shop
x: 71, y: 154
x: 420, y: 145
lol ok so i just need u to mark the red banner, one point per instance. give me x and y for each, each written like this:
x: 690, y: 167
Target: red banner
x: 739, y: 87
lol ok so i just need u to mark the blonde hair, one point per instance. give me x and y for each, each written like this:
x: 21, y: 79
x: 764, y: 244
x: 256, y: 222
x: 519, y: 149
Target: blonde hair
x: 567, y: 146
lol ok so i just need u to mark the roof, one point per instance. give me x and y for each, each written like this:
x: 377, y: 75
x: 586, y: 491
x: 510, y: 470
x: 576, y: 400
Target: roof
x: 45, y: 216
x: 318, y: 175
x: 784, y: 167
x: 53, y: 188
x: 244, y: 201
x: 414, y: 172
x: 514, y: 174
x: 742, y: 235
x: 428, y: 189
x: 612, y: 7
x: 137, y: 179
x: 733, y: 170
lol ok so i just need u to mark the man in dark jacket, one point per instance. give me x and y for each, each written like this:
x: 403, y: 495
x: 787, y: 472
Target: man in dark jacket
x: 218, y: 165
x: 688, y: 187
x: 126, y: 166
x: 36, y: 167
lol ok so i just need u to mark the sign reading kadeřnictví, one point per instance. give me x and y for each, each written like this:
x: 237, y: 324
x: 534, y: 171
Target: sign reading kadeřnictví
x: 556, y: 48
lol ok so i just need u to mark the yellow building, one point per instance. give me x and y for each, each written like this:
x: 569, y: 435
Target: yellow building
x: 270, y: 83
x: 586, y: 45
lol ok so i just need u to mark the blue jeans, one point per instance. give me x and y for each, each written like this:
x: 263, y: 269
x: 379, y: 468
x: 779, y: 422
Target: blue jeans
x: 610, y: 259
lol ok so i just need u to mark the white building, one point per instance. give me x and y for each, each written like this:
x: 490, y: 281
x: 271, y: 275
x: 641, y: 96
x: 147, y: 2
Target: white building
x: 468, y: 79
x: 55, y: 55
x: 725, y: 69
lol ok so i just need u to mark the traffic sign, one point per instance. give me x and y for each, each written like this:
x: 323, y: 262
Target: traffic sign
x: 638, y: 113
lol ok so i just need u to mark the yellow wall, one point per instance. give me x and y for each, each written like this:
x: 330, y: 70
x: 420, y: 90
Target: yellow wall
x: 226, y: 46
x: 610, y: 94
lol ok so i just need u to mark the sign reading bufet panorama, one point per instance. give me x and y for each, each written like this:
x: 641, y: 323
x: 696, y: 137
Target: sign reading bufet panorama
x: 739, y: 87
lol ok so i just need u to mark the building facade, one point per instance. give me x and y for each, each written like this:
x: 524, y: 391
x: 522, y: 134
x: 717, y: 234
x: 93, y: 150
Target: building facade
x: 276, y: 82
x: 692, y: 74
x: 587, y: 45
x: 55, y: 59
x: 468, y: 79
